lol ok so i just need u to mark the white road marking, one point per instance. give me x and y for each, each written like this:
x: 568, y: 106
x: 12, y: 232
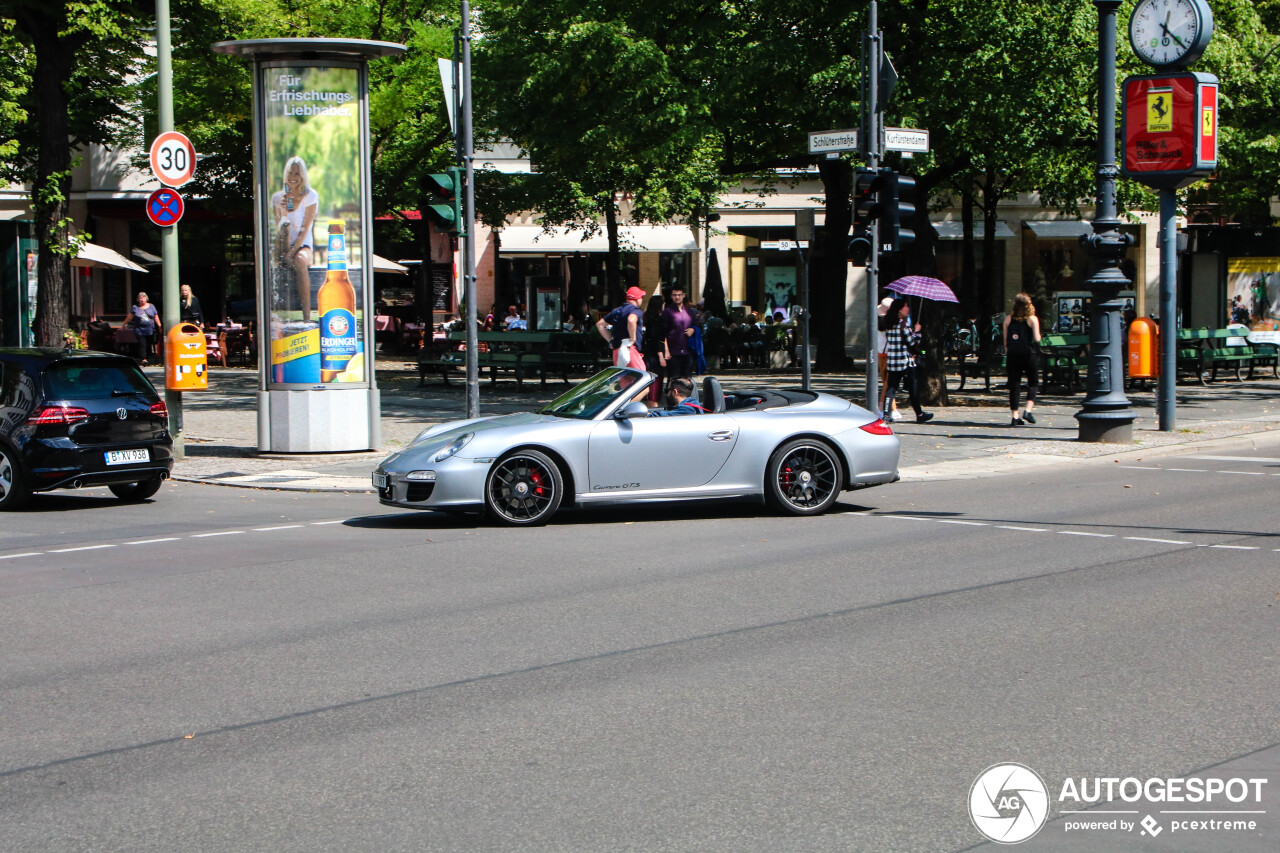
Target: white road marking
x: 38, y: 553
x: 1237, y: 547
x: 1246, y: 473
x: 153, y: 541
x: 958, y: 521
x: 281, y: 527
x: 1188, y: 470
x: 1236, y: 458
x: 319, y: 523
x: 80, y: 548
x: 223, y: 533
x: 1161, y: 541
x: 1083, y: 533
x: 1027, y: 529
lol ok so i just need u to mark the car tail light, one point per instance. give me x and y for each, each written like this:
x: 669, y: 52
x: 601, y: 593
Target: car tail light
x: 160, y: 410
x: 59, y: 415
x: 878, y: 427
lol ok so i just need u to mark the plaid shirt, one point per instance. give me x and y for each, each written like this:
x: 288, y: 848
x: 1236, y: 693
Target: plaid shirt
x: 897, y: 340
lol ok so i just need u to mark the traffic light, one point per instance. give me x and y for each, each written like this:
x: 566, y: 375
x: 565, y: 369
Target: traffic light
x: 898, y: 203
x: 867, y: 208
x: 447, y: 214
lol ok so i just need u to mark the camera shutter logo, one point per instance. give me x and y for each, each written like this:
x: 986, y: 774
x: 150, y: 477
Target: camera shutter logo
x: 1008, y: 803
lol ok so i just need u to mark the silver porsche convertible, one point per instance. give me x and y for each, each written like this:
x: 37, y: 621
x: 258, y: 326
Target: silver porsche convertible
x: 595, y: 444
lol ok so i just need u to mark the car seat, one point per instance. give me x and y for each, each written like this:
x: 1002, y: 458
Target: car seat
x: 712, y: 395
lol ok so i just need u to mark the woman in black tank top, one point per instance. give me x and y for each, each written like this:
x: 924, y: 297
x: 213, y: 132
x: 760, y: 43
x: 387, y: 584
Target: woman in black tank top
x: 1022, y: 354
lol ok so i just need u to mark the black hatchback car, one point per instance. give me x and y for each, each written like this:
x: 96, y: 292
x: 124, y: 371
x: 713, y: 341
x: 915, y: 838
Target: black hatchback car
x: 70, y: 419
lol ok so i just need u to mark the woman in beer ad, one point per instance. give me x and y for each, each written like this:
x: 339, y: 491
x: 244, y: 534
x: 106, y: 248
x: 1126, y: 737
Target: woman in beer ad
x: 295, y: 210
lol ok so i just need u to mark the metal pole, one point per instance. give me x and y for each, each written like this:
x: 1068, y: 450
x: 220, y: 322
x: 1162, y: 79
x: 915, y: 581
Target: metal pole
x: 168, y: 235
x: 467, y: 225
x: 804, y: 232
x: 871, y: 134
x: 1166, y: 401
x: 1106, y: 416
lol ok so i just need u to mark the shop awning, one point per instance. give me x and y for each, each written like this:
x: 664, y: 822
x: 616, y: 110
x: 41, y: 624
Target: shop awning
x: 381, y: 264
x: 1058, y: 229
x: 93, y: 255
x: 635, y: 238
x: 951, y: 230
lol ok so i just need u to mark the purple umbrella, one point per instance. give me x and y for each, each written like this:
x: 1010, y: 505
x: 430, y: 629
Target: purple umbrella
x: 924, y: 287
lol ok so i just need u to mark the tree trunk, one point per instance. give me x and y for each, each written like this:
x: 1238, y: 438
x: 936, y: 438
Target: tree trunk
x: 990, y: 204
x: 612, y: 265
x: 969, y: 268
x: 51, y: 188
x: 829, y: 297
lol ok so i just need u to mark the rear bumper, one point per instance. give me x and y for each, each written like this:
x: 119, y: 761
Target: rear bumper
x: 52, y: 468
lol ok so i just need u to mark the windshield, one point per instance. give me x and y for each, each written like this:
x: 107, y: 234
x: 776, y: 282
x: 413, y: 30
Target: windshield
x: 592, y: 397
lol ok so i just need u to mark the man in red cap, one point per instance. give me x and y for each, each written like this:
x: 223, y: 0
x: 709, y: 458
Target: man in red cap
x: 622, y: 328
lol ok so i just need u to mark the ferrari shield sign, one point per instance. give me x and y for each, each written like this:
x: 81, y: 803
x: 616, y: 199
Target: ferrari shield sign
x: 1170, y: 128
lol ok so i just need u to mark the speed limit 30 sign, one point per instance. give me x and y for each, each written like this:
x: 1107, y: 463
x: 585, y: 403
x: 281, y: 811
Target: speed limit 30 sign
x: 173, y: 158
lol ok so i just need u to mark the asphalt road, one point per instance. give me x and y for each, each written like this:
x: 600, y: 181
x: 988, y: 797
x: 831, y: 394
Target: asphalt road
x: 223, y: 669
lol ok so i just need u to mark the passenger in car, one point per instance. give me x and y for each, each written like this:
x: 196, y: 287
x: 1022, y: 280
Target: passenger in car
x: 678, y: 401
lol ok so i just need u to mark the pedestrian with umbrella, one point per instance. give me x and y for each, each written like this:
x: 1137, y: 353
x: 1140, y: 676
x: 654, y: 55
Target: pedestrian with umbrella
x: 902, y: 343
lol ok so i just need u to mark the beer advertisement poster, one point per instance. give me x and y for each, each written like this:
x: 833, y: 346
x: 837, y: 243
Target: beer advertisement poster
x: 311, y: 220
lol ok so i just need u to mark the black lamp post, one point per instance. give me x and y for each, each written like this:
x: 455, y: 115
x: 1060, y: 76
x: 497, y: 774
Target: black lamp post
x: 1106, y: 416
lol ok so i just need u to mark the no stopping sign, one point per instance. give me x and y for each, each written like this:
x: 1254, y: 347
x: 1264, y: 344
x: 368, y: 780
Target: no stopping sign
x: 164, y: 207
x: 173, y: 158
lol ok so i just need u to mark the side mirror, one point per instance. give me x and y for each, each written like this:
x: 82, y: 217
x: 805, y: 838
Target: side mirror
x: 633, y: 409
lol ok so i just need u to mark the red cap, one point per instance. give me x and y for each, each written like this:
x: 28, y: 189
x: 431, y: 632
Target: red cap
x: 635, y: 293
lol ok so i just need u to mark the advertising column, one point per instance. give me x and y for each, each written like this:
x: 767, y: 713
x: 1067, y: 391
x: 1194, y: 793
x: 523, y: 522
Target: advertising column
x: 314, y: 249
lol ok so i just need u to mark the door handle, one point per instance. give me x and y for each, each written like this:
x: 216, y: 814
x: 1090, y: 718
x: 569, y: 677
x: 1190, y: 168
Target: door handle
x: 720, y: 435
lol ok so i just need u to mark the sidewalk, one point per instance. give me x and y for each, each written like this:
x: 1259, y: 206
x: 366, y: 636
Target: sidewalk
x: 972, y: 437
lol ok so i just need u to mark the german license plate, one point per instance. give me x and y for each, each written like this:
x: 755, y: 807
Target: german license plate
x: 127, y: 457
x: 379, y: 480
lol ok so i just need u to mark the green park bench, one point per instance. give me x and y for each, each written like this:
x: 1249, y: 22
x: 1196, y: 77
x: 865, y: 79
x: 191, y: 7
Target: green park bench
x: 1063, y: 358
x: 1203, y: 352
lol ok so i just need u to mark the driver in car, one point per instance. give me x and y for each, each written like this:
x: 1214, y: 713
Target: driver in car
x: 678, y: 402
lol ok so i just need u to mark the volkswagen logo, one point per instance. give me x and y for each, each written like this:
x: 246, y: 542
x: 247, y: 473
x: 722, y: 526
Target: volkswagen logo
x: 122, y: 413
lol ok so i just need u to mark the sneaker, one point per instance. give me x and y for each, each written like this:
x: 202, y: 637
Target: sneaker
x: 924, y: 417
x: 1029, y: 418
x: 1015, y: 422
x: 895, y: 415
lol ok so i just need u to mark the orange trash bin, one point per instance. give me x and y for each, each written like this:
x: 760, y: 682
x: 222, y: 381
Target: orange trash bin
x: 186, y: 362
x: 1144, y: 337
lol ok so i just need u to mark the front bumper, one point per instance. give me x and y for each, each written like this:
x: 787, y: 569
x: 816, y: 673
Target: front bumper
x: 458, y: 484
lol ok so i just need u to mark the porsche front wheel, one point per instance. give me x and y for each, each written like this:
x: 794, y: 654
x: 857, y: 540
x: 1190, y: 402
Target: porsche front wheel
x: 804, y: 477
x: 523, y: 488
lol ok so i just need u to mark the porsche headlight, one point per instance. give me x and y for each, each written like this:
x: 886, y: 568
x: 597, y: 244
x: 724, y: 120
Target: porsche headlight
x: 452, y: 447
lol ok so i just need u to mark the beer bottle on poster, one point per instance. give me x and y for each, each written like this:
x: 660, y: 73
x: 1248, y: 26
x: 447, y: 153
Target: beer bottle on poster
x: 337, y: 306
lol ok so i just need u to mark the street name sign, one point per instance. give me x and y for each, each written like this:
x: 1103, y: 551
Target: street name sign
x: 906, y: 139
x: 173, y: 158
x: 827, y: 141
x: 164, y: 207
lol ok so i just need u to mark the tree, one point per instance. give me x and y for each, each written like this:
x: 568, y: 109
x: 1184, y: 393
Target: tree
x: 598, y: 98
x: 74, y: 60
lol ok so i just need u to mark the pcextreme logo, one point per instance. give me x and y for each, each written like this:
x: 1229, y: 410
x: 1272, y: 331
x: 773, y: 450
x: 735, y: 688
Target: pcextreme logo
x: 1009, y: 803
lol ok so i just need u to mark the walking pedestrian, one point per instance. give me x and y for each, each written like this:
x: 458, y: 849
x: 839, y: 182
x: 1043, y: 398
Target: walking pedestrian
x: 1022, y: 352
x: 623, y: 330
x: 882, y: 358
x: 902, y: 340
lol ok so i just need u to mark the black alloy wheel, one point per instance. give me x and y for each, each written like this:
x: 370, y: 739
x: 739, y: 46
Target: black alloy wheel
x: 14, y: 490
x: 139, y: 491
x: 804, y: 477
x: 524, y: 488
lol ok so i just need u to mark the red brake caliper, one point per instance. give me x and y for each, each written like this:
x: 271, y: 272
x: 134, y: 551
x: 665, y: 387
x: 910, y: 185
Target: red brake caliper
x: 536, y: 476
x: 788, y: 477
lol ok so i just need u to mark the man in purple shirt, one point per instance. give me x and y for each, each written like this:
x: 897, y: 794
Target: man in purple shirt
x: 677, y: 325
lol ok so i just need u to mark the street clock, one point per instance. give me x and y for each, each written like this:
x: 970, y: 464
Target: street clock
x: 1170, y: 34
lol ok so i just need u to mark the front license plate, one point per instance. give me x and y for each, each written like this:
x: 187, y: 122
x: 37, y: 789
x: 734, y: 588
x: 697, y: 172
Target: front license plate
x: 379, y: 480
x: 127, y: 457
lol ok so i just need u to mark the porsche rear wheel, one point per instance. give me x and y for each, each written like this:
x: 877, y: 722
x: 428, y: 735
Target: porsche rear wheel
x: 523, y: 488
x: 804, y: 477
